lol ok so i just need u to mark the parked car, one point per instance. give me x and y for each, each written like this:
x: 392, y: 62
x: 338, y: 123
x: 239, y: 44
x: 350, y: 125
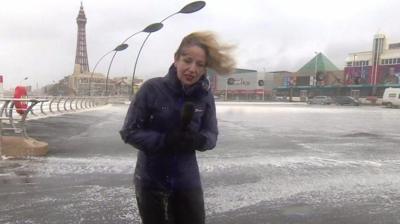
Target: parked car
x: 280, y: 99
x: 391, y: 97
x: 320, y: 100
x: 347, y: 100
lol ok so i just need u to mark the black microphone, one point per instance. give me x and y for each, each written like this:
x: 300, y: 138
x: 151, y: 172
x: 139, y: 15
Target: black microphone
x: 187, y: 115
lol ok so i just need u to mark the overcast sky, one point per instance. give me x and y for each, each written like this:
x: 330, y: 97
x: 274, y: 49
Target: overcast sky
x: 38, y: 38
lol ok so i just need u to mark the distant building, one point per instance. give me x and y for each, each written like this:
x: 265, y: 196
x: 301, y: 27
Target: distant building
x: 252, y: 85
x: 80, y: 78
x: 373, y: 71
x: 84, y: 82
x: 282, y: 78
x: 319, y: 71
x: 319, y: 76
x: 242, y: 84
x: 122, y: 85
x: 366, y: 73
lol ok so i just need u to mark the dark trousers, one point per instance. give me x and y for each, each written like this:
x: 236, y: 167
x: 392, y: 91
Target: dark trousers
x: 177, y: 207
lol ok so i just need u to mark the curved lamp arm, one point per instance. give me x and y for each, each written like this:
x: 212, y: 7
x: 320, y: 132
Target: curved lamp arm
x: 149, y: 29
x: 97, y: 63
x: 187, y: 9
x: 120, y: 47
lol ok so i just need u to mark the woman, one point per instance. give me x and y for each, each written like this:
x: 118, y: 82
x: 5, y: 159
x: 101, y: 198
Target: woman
x: 170, y: 119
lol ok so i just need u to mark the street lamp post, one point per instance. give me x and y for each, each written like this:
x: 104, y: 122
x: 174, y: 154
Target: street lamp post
x: 22, y: 82
x: 149, y: 29
x: 316, y: 68
x: 187, y: 9
x: 226, y: 89
x: 315, y: 81
x: 120, y: 47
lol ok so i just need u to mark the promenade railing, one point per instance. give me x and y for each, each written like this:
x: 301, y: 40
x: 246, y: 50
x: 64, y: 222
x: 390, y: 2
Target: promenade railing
x: 13, y: 117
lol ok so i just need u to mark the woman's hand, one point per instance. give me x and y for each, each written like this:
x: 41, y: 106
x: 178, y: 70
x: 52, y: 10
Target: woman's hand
x: 181, y: 141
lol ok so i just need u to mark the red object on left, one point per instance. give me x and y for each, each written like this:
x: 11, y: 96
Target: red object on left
x: 20, y: 92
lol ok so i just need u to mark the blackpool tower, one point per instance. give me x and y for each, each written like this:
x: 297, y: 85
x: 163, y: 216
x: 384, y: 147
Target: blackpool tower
x: 81, y: 58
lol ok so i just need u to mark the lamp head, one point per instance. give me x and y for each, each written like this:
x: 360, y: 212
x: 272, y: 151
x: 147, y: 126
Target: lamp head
x: 121, y: 47
x: 153, y: 28
x: 193, y: 7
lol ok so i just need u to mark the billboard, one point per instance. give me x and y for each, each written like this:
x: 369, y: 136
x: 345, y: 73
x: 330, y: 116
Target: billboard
x: 357, y: 75
x: 389, y: 74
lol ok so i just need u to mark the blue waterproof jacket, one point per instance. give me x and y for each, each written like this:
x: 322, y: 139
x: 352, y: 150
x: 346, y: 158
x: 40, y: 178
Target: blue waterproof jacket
x: 155, y: 112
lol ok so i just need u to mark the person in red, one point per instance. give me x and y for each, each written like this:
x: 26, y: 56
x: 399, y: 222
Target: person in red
x: 171, y: 119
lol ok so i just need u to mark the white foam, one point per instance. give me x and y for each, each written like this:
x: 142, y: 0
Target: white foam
x: 292, y: 162
x: 226, y: 198
x: 56, y: 113
x: 62, y: 166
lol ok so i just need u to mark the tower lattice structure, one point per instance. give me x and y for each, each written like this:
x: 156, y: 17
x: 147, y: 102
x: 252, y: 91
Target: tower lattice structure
x: 81, y: 58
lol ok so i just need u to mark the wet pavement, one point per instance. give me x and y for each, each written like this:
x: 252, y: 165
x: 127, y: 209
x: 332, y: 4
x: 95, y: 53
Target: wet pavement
x: 274, y: 163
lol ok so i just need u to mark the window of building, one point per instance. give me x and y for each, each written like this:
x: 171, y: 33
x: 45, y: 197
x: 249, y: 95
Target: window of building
x: 349, y: 64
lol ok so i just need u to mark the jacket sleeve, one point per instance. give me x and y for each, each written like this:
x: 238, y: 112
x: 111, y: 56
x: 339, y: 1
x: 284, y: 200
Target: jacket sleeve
x: 209, y: 127
x: 134, y: 131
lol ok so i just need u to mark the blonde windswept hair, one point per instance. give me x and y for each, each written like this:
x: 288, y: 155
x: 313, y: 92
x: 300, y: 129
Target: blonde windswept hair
x: 219, y: 56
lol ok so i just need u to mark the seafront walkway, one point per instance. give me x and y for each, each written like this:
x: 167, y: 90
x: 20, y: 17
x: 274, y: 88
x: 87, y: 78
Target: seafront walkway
x: 274, y: 163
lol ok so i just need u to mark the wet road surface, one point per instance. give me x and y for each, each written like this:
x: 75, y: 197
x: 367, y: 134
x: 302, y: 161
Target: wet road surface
x: 274, y: 163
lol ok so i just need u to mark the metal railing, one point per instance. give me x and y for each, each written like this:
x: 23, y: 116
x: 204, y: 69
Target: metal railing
x: 14, y: 119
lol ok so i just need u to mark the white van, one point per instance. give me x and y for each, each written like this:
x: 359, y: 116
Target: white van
x: 391, y: 97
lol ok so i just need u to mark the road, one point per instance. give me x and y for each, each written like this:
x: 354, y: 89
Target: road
x: 274, y: 163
